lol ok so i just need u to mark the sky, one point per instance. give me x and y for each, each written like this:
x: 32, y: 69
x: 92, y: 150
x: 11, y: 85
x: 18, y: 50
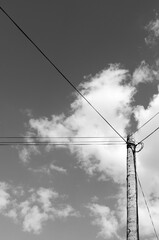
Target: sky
x: 109, y: 51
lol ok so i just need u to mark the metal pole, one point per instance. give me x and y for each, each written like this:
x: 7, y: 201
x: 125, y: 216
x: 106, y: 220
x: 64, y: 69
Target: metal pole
x: 132, y: 198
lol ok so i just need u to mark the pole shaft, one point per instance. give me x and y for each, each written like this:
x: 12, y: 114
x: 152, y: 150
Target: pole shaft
x: 132, y: 198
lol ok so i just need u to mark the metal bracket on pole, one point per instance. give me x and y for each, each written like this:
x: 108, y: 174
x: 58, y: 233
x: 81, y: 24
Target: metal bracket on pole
x: 141, y: 144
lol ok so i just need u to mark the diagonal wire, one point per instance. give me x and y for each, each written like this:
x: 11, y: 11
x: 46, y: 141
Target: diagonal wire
x: 59, y: 71
x: 148, y: 209
x: 148, y: 135
x: 146, y: 122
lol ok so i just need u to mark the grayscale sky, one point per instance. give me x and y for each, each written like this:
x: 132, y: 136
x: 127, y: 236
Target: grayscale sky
x: 109, y: 49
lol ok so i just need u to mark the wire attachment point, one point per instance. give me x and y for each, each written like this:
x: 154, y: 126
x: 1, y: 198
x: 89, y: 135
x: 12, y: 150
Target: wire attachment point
x: 141, y: 144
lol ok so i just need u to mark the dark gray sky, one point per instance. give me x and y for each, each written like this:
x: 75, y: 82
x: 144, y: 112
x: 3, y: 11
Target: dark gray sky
x: 81, y: 38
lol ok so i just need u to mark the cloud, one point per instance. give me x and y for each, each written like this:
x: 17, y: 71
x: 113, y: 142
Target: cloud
x: 35, y: 209
x: 27, y: 112
x: 145, y: 224
x: 25, y: 153
x: 148, y: 164
x: 57, y: 168
x: 105, y: 219
x: 111, y: 222
x: 34, y: 216
x: 43, y: 170
x: 4, y: 196
x: 143, y: 74
x: 153, y: 30
x: 33, y: 219
x: 47, y: 169
x: 44, y: 197
x: 110, y: 92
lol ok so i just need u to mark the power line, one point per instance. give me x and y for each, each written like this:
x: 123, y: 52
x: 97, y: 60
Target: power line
x: 148, y: 208
x: 148, y: 135
x: 55, y: 144
x: 146, y: 122
x: 60, y: 141
x: 59, y: 71
x: 69, y: 143
x: 35, y: 137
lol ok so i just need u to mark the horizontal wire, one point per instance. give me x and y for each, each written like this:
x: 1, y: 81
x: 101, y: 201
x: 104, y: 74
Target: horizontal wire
x: 47, y: 142
x: 59, y: 71
x: 32, y: 137
x: 148, y: 135
x: 146, y: 122
x: 55, y: 144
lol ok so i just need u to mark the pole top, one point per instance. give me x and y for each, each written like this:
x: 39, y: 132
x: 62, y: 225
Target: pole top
x: 130, y: 139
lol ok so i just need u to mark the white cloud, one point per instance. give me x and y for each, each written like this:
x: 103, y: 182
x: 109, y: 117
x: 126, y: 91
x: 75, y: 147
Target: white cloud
x: 47, y: 169
x: 110, y: 93
x: 105, y: 219
x: 33, y: 219
x: 27, y: 112
x: 148, y: 165
x: 45, y: 196
x: 34, y: 216
x: 12, y: 214
x: 39, y: 206
x: 143, y: 74
x: 4, y: 196
x: 145, y: 224
x: 58, y: 169
x: 26, y: 152
x: 153, y: 30
x: 66, y: 211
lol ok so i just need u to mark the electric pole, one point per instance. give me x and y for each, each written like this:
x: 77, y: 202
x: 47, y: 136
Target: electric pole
x: 132, y: 193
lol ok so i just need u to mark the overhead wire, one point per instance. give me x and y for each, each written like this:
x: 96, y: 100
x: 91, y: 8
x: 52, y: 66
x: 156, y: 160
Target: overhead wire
x: 73, y: 143
x: 34, y: 140
x: 148, y: 135
x: 60, y: 72
x: 55, y: 141
x: 146, y: 122
x: 52, y: 137
x: 65, y: 141
x: 148, y: 209
x: 55, y: 144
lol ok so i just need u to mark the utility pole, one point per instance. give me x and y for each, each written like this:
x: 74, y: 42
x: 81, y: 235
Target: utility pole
x: 132, y: 193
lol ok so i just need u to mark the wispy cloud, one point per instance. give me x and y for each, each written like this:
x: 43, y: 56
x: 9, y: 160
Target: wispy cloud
x: 83, y: 121
x: 57, y: 168
x: 25, y: 153
x: 112, y: 92
x: 35, y: 208
x: 105, y: 219
x: 153, y: 32
x: 143, y: 74
x: 4, y: 196
x: 48, y: 169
